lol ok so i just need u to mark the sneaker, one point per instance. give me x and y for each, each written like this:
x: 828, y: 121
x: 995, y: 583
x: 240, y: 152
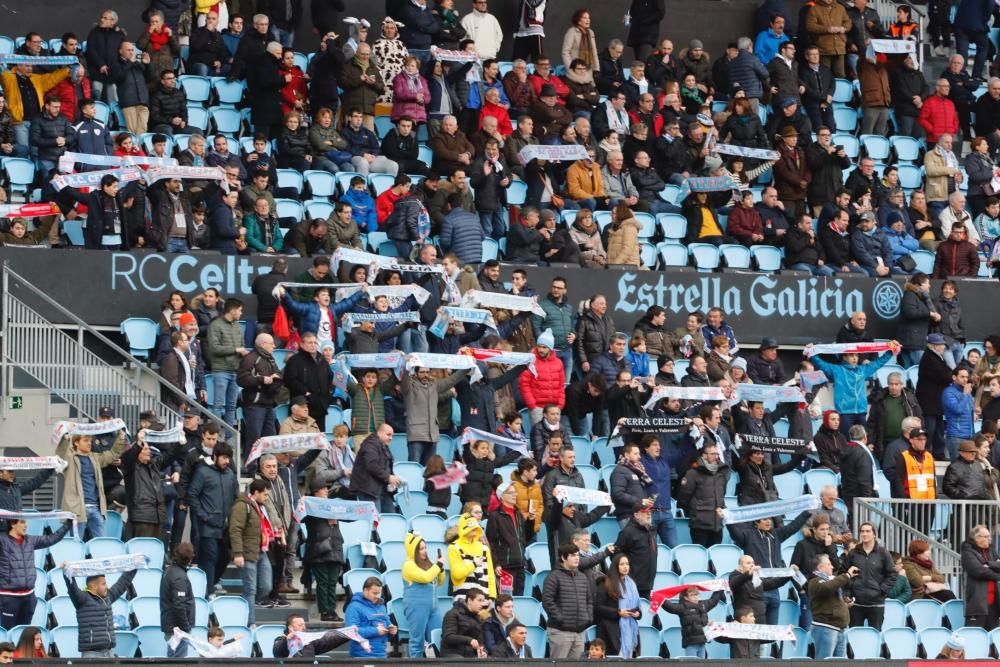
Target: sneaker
x: 282, y: 604
x: 219, y: 589
x: 330, y: 617
x: 266, y: 604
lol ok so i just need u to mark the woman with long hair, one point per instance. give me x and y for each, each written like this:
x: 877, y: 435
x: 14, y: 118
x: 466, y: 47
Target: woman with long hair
x: 176, y: 303
x: 623, y: 237
x: 31, y: 644
x: 616, y: 607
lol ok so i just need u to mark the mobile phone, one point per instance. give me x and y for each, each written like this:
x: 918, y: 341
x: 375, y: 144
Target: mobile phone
x: 440, y: 555
x: 531, y: 505
x: 838, y: 148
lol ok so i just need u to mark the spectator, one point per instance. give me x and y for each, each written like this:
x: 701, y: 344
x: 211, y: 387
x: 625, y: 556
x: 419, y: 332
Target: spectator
x: 849, y: 379
x: 616, y: 609
x: 168, y: 106
x: 484, y: 29
x: 907, y: 87
x: 390, y: 56
x: 94, y: 612
x: 424, y: 576
x: 748, y: 73
x: 702, y: 495
x: 210, y: 495
x: 956, y: 257
x: 462, y: 629
x: 959, y: 412
x: 568, y: 602
x: 160, y: 42
x: 17, y: 582
x: 693, y: 613
x: 451, y: 149
x: 515, y: 645
x: 889, y: 407
x: 208, y: 52
x: 147, y: 507
x: 372, y: 478
x: 506, y: 529
x: 876, y: 576
x: 420, y: 27
x: 828, y: 24
x: 925, y: 580
x: 981, y: 566
x: 938, y: 117
x: 362, y: 84
x: 367, y: 611
x: 400, y: 145
x: 177, y: 599
x: 364, y: 146
x: 830, y: 613
x: 295, y: 624
x: 251, y: 534
x: 83, y: 491
x: 955, y: 213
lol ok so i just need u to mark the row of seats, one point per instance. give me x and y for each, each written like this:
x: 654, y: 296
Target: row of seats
x: 148, y: 640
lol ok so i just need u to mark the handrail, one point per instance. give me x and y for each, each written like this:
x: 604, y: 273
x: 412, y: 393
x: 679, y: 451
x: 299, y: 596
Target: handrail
x: 143, y: 368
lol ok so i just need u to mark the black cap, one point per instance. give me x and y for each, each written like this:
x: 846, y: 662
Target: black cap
x: 147, y: 416
x: 190, y: 413
x: 768, y: 344
x: 106, y: 412
x: 918, y: 433
x: 316, y: 485
x: 299, y: 400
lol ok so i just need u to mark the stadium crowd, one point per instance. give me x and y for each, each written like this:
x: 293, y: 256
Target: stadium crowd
x: 430, y: 193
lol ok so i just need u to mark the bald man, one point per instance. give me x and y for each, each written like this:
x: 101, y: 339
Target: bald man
x: 260, y: 378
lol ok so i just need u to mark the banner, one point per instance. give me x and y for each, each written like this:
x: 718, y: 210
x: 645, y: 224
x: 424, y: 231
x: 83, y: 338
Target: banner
x: 336, y: 508
x: 28, y: 210
x: 176, y: 434
x: 895, y: 46
x: 44, y: 61
x: 769, y: 510
x: 743, y: 151
x: 705, y: 394
x: 394, y: 360
x: 300, y: 639
x: 204, y: 649
x: 810, y: 379
x: 455, y: 362
x: 455, y: 473
x: 474, y: 298
x: 470, y: 435
x: 577, y: 496
x: 552, y: 153
x: 274, y: 444
x: 471, y: 315
x: 95, y: 566
x: 775, y: 445
x: 69, y: 158
x: 67, y: 428
x: 651, y: 425
x: 401, y: 291
x: 454, y: 56
x: 92, y: 179
x: 768, y: 392
x: 778, y: 573
x: 355, y: 256
x: 705, y: 184
x: 656, y: 598
x: 216, y: 174
x: 851, y: 348
x: 501, y: 357
x: 352, y: 320
x: 32, y: 463
x: 764, y: 633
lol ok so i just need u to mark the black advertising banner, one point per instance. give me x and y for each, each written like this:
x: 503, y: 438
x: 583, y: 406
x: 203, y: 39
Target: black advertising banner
x: 104, y: 288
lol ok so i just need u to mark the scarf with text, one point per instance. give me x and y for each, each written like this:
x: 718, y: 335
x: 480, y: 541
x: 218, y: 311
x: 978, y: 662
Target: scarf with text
x: 774, y: 508
x: 474, y: 298
x: 336, y: 508
x: 32, y: 463
x: 94, y: 566
x: 767, y: 392
x: 470, y: 435
x: 69, y: 158
x: 656, y: 598
x: 501, y: 357
x: 28, y: 210
x: 852, y: 348
x: 765, y: 633
x: 456, y: 473
x: 205, y: 649
x: 67, y: 428
x: 684, y: 394
x: 453, y: 362
x: 293, y: 442
x: 574, y: 495
x: 400, y: 291
x: 92, y: 179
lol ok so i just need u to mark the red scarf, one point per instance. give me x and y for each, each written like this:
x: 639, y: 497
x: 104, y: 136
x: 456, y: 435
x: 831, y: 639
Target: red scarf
x: 158, y: 39
x: 266, y: 531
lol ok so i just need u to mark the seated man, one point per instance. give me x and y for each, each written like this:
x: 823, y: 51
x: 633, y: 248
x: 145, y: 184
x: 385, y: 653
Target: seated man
x: 364, y: 146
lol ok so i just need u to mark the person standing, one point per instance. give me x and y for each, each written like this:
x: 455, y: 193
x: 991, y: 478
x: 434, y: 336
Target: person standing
x: 94, y: 614
x: 371, y: 477
x: 568, y: 601
x: 260, y: 378
x: 210, y: 495
x: 147, y: 507
x: 308, y: 374
x: 830, y: 614
x: 224, y: 342
x: 876, y: 576
x: 981, y: 566
x: 422, y: 579
x: 702, y: 495
x: 83, y: 490
x: 506, y: 533
x: 17, y: 571
x: 420, y: 392
x: 637, y: 541
x: 177, y: 599
x: 959, y: 411
x: 250, y: 537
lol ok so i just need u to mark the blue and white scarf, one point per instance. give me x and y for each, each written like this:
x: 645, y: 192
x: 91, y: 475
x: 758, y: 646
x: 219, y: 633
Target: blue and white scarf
x: 455, y: 362
x: 394, y: 360
x: 768, y: 510
x: 628, y: 627
x: 766, y: 392
x: 96, y: 566
x: 470, y: 435
x: 69, y: 158
x: 58, y: 61
x: 92, y: 179
x: 352, y: 320
x: 335, y: 508
x: 475, y: 297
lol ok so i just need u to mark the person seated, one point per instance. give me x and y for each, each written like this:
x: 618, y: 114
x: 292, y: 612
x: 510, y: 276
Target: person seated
x: 744, y: 222
x: 584, y: 183
x: 293, y: 144
x: 900, y: 241
x: 702, y: 222
x: 956, y: 256
x: 870, y: 248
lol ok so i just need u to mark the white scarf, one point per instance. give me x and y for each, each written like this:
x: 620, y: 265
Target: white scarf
x: 617, y: 120
x: 188, y: 375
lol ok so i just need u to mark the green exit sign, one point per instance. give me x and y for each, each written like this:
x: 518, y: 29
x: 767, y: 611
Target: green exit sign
x: 16, y: 402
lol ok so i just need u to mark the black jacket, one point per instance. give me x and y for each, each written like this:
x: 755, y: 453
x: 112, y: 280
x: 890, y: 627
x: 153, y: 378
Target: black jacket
x: 176, y: 599
x: 102, y: 50
x: 626, y: 491
x: 965, y: 481
x: 756, y: 483
x: 700, y: 493
x: 254, y: 367
x: 606, y: 618
x: 876, y: 576
x: 166, y: 104
x: 914, y: 319
x: 44, y: 132
x: 933, y: 375
x: 504, y: 651
x: 762, y: 371
x: 110, y: 209
x: 144, y: 492
x: 593, y: 335
x: 207, y: 47
x: 981, y: 571
x: 251, y: 45
x: 479, y: 484
x: 264, y: 84
x: 279, y: 13
x: 325, y: 543
x: 162, y: 211
x: 131, y: 79
x: 458, y: 630
x: 694, y: 617
x: 507, y: 537
x: 765, y: 547
x: 827, y: 173
x: 638, y: 542
x: 96, y: 629
x: 801, y: 248
x: 806, y: 551
x: 372, y: 467
x: 745, y: 594
x: 904, y: 85
x: 309, y: 376
x: 856, y: 475
x: 612, y: 71
x: 477, y: 400
x: 836, y: 247
x: 819, y: 85
x: 568, y: 600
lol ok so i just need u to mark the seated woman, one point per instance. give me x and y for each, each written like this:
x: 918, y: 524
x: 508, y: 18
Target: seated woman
x: 702, y: 222
x: 925, y: 580
x: 623, y: 237
x: 293, y: 145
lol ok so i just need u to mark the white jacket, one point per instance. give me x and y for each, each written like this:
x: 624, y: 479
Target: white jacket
x: 484, y: 28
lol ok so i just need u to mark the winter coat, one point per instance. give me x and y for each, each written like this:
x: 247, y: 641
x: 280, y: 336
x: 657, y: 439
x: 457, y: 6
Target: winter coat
x: 523, y: 243
x: 177, y: 605
x: 143, y: 488
x: 638, y: 542
x: 937, y: 116
x: 965, y: 480
x: 404, y: 98
x: 765, y: 547
x: 973, y: 16
x: 44, y: 132
x: 568, y: 600
x: 211, y: 495
x: 507, y: 535
x: 981, y: 571
x: 623, y: 243
x: 479, y: 484
x: 933, y: 376
x: 694, y: 617
x: 915, y: 318
x: 166, y: 104
x: 827, y: 170
x: 701, y: 492
x: 253, y: 368
x: 824, y: 15
x: 876, y: 417
x: 102, y: 51
x: 372, y: 467
x: 627, y: 491
x: 593, y: 335
x: 421, y: 400
x: 358, y: 94
x: 12, y: 493
x: 959, y: 416
x: 17, y: 559
x: 245, y: 529
x: 826, y: 600
x: 548, y: 387
x: 790, y: 171
x: 94, y: 616
x: 876, y: 576
x: 874, y: 80
x: 611, y: 72
x: 458, y: 630
x: 73, y: 499
x: 953, y: 260
x: 849, y: 381
x: 868, y: 247
x: 560, y: 525
x: 164, y: 58
x: 367, y: 617
x: 747, y: 71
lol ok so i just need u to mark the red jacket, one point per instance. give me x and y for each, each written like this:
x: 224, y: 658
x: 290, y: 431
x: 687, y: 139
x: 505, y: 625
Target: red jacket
x: 384, y: 205
x: 548, y: 387
x: 743, y: 223
x: 937, y: 117
x: 294, y: 90
x: 66, y: 90
x: 956, y: 259
x: 500, y: 113
x: 562, y: 90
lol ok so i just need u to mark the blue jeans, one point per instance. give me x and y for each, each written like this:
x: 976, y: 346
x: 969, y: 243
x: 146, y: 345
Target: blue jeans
x: 419, y: 452
x: 566, y: 357
x: 812, y: 268
x: 589, y: 203
x: 848, y: 419
x: 383, y: 503
x: 951, y: 444
x: 182, y: 648
x: 179, y: 246
x: 285, y: 37
x: 772, y: 603
x: 213, y: 555
x: 953, y: 354
x: 493, y: 223
x: 108, y: 90
x: 805, y: 612
x: 663, y: 524
x: 226, y: 392
x: 962, y: 40
x: 413, y: 340
x: 696, y: 651
x: 910, y: 357
x: 325, y: 165
x: 829, y: 643
x: 256, y: 582
x: 259, y: 422
x: 420, y: 54
x: 22, y: 134
x: 95, y: 521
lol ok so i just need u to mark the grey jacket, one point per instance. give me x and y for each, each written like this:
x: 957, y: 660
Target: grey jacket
x: 421, y: 399
x: 93, y: 614
x: 568, y: 600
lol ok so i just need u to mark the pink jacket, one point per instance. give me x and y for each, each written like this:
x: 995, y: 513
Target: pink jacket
x: 404, y: 99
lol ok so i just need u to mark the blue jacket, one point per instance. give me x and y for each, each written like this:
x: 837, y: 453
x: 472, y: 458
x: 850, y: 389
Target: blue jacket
x: 766, y: 45
x: 17, y: 561
x: 959, y: 412
x: 638, y: 363
x: 362, y: 209
x: 12, y: 493
x: 93, y: 138
x: 900, y: 244
x: 724, y: 330
x: 866, y: 248
x: 308, y: 314
x: 367, y: 617
x: 747, y: 70
x: 360, y: 141
x: 849, y: 396
x: 210, y: 495
x: 974, y: 15
x: 608, y: 366
x: 420, y: 26
x: 462, y: 234
x: 658, y: 470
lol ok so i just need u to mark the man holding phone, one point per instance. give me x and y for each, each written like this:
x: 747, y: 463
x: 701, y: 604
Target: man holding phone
x: 507, y: 533
x: 830, y: 608
x: 826, y: 162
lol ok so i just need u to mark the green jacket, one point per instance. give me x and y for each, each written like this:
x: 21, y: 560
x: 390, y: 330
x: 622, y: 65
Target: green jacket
x: 223, y: 338
x: 827, y: 606
x: 244, y: 529
x: 901, y: 591
x: 365, y: 405
x: 558, y: 317
x: 255, y: 235
x: 72, y: 500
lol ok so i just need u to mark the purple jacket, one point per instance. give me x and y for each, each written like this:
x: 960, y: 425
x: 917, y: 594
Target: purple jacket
x: 404, y: 99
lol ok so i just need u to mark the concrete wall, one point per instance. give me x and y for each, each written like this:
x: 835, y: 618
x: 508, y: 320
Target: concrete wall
x: 53, y: 18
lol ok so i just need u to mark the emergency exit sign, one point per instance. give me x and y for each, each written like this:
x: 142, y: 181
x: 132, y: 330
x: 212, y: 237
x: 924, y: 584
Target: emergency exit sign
x: 16, y: 402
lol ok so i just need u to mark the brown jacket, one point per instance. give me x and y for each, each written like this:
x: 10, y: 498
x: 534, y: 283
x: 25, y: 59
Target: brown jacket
x: 874, y: 80
x: 359, y: 94
x: 915, y: 573
x: 448, y: 147
x: 623, y: 243
x: 824, y: 15
x: 584, y: 182
x: 790, y: 172
x: 549, y: 121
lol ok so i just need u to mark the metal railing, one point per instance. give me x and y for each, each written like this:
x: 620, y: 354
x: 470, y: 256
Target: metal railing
x: 886, y: 10
x: 942, y: 523
x: 66, y: 367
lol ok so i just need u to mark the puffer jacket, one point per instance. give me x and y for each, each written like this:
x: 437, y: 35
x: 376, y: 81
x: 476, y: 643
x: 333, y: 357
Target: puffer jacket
x: 638, y: 542
x: 309, y: 315
x: 94, y: 614
x: 745, y: 130
x: 568, y: 600
x: 528, y: 494
x: 12, y: 493
x: 17, y: 559
x: 623, y: 243
x: 367, y: 617
x: 547, y: 387
x: 44, y: 132
x: 876, y: 576
x: 694, y: 617
x: 849, y: 395
x: 462, y: 234
x: 867, y: 248
x: 223, y: 338
x: 593, y: 335
x: 210, y: 495
x: 458, y: 629
x: 372, y: 467
x: 747, y: 70
x: 626, y: 491
x: 958, y: 412
x: 701, y: 492
x: 176, y: 600
x: 165, y: 104
x: 130, y: 78
x: 478, y: 484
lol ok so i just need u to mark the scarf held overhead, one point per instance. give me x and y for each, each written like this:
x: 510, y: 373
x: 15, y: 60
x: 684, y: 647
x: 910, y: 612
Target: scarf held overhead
x: 470, y: 435
x: 95, y: 566
x: 68, y: 428
x: 573, y: 495
x: 336, y: 508
x: 474, y: 298
x: 276, y: 444
x: 32, y: 463
x: 656, y: 598
x: 853, y: 348
x: 774, y: 508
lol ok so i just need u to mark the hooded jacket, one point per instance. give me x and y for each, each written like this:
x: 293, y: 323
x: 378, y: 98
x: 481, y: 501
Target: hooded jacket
x: 850, y: 395
x: 461, y: 559
x: 367, y: 616
x: 701, y: 492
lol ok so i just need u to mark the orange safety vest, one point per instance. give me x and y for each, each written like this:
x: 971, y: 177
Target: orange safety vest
x: 899, y: 30
x: 919, y: 476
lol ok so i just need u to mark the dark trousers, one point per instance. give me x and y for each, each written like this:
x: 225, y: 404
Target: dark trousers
x: 849, y: 419
x: 177, y: 528
x: 277, y: 553
x: 213, y: 555
x: 934, y: 425
x: 706, y: 538
x: 326, y: 586
x: 258, y: 422
x: 874, y: 616
x: 16, y: 610
x: 518, y: 585
x: 987, y: 622
x: 139, y: 529
x: 527, y: 48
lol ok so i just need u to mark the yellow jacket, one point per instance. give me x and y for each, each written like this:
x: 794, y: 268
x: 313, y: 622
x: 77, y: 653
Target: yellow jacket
x: 202, y: 6
x: 412, y: 572
x: 584, y: 182
x: 42, y: 82
x: 463, y: 552
x: 525, y: 494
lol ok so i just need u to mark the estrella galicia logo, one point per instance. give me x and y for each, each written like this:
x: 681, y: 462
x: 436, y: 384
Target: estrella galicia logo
x: 886, y: 299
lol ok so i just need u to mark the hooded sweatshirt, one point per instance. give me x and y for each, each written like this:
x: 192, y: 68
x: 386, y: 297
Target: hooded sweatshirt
x: 461, y: 560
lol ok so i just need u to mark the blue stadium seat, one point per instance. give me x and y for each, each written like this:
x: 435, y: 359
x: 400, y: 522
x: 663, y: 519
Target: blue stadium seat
x: 425, y: 154
x: 517, y: 193
x: 884, y: 372
x: 650, y: 642
x: 6, y: 45
x: 289, y: 208
x: 606, y: 528
x: 843, y: 91
x: 907, y: 148
x: 380, y: 182
x: 147, y: 582
x: 61, y: 608
x: 229, y: 93
x: 126, y: 643
x: 767, y: 258
x: 394, y: 555
x: 977, y: 643
x: 316, y: 208
x: 925, y: 613
x: 412, y: 473
x: 105, y: 547
x: 152, y: 547
x: 817, y: 478
x: 736, y: 256
x: 797, y: 649
x: 864, y: 643
x: 876, y: 146
x: 691, y: 558
x: 845, y: 118
x: 648, y: 225
x: 230, y: 610
x: 141, y: 333
x: 933, y: 640
x: 430, y: 526
x: 910, y: 177
x: 491, y: 250
x: 706, y: 256
x: 20, y: 173
x: 66, y: 638
x: 147, y: 609
x: 382, y: 126
x: 344, y: 179
x: 151, y: 641
x: 416, y: 504
x: 901, y: 642
x: 538, y: 555
x: 198, y: 119
x: 673, y: 254
x: 528, y: 610
x: 264, y: 636
x: 197, y: 88
x: 672, y: 640
x: 851, y: 144
x: 954, y: 613
x: 290, y: 178
x: 789, y: 485
x: 724, y: 557
x: 674, y: 225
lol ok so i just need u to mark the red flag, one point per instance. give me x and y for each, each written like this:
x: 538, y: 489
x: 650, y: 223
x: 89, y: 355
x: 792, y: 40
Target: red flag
x: 656, y: 598
x: 454, y: 473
